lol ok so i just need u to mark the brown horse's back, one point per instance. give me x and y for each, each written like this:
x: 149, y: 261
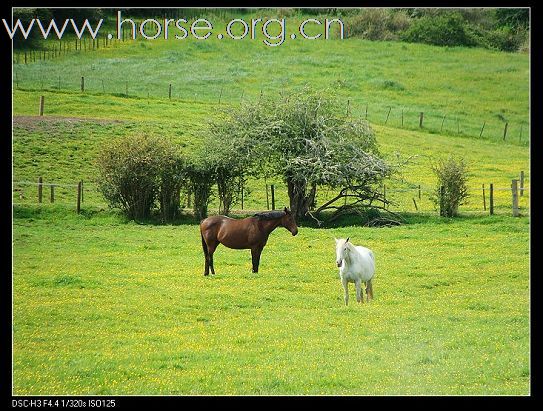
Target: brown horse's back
x: 237, y: 234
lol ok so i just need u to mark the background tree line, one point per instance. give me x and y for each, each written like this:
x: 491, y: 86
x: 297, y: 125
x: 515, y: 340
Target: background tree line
x: 503, y: 29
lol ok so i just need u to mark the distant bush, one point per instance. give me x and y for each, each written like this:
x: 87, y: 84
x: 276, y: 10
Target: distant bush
x: 377, y: 24
x: 138, y: 171
x: 499, y: 29
x: 451, y: 189
x: 442, y: 30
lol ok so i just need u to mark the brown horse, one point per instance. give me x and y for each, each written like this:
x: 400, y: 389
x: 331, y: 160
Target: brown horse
x: 251, y: 232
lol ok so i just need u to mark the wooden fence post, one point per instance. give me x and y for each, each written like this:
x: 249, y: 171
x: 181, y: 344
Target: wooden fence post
x: 419, y: 192
x: 505, y: 131
x: 491, y: 199
x: 522, y: 183
x: 267, y: 198
x: 40, y: 189
x: 388, y: 114
x: 170, y: 92
x: 421, y: 119
x: 482, y: 129
x: 82, y: 83
x: 514, y: 190
x: 42, y: 104
x: 78, y: 197
x: 242, y: 197
x: 484, y: 198
x: 52, y: 193
x: 273, y: 196
x: 402, y: 117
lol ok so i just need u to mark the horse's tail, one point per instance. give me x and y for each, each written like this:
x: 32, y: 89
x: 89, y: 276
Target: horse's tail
x: 204, y: 246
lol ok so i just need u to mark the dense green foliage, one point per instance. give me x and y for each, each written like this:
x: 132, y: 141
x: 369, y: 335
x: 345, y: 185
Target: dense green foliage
x: 501, y: 29
x: 452, y: 188
x: 136, y: 171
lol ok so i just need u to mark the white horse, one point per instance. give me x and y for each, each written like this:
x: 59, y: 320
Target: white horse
x: 356, y: 265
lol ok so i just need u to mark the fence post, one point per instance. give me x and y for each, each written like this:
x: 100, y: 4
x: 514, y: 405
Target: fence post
x: 514, y: 190
x: 78, y: 197
x: 170, y: 92
x: 267, y: 198
x: 82, y: 83
x: 482, y: 129
x: 505, y: 131
x: 419, y: 192
x: 242, y: 197
x: 402, y: 117
x: 273, y: 196
x: 366, y: 111
x: 484, y: 198
x: 491, y: 199
x: 522, y: 183
x: 421, y: 119
x: 414, y: 202
x: 388, y: 114
x: 52, y: 193
x: 42, y: 103
x: 40, y: 189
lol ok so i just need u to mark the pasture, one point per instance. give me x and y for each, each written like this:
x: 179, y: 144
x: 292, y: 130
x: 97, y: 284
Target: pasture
x: 102, y: 305
x: 107, y: 307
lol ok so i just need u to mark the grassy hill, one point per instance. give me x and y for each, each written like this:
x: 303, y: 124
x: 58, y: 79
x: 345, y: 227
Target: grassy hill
x: 468, y: 86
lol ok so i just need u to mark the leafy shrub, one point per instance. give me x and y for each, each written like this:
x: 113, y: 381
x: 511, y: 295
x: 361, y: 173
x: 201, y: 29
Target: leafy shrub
x: 377, y: 24
x: 452, y: 188
x: 137, y: 170
x: 442, y: 30
x: 200, y: 180
x: 507, y: 39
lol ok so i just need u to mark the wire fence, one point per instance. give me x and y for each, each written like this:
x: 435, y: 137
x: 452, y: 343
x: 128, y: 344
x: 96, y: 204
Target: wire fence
x: 497, y: 127
x: 485, y: 199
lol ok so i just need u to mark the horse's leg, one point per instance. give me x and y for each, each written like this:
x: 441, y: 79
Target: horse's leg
x: 206, y: 256
x: 359, y: 298
x: 255, y: 254
x: 369, y: 290
x: 345, y: 291
x: 210, y: 250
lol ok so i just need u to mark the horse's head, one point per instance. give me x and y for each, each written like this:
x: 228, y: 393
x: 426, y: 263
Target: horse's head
x: 342, y: 250
x: 288, y: 222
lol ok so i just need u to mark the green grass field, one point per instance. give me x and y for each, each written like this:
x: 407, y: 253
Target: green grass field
x: 102, y: 305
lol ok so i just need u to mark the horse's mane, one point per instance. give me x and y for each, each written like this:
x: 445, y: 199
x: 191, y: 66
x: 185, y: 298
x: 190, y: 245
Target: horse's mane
x: 269, y: 215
